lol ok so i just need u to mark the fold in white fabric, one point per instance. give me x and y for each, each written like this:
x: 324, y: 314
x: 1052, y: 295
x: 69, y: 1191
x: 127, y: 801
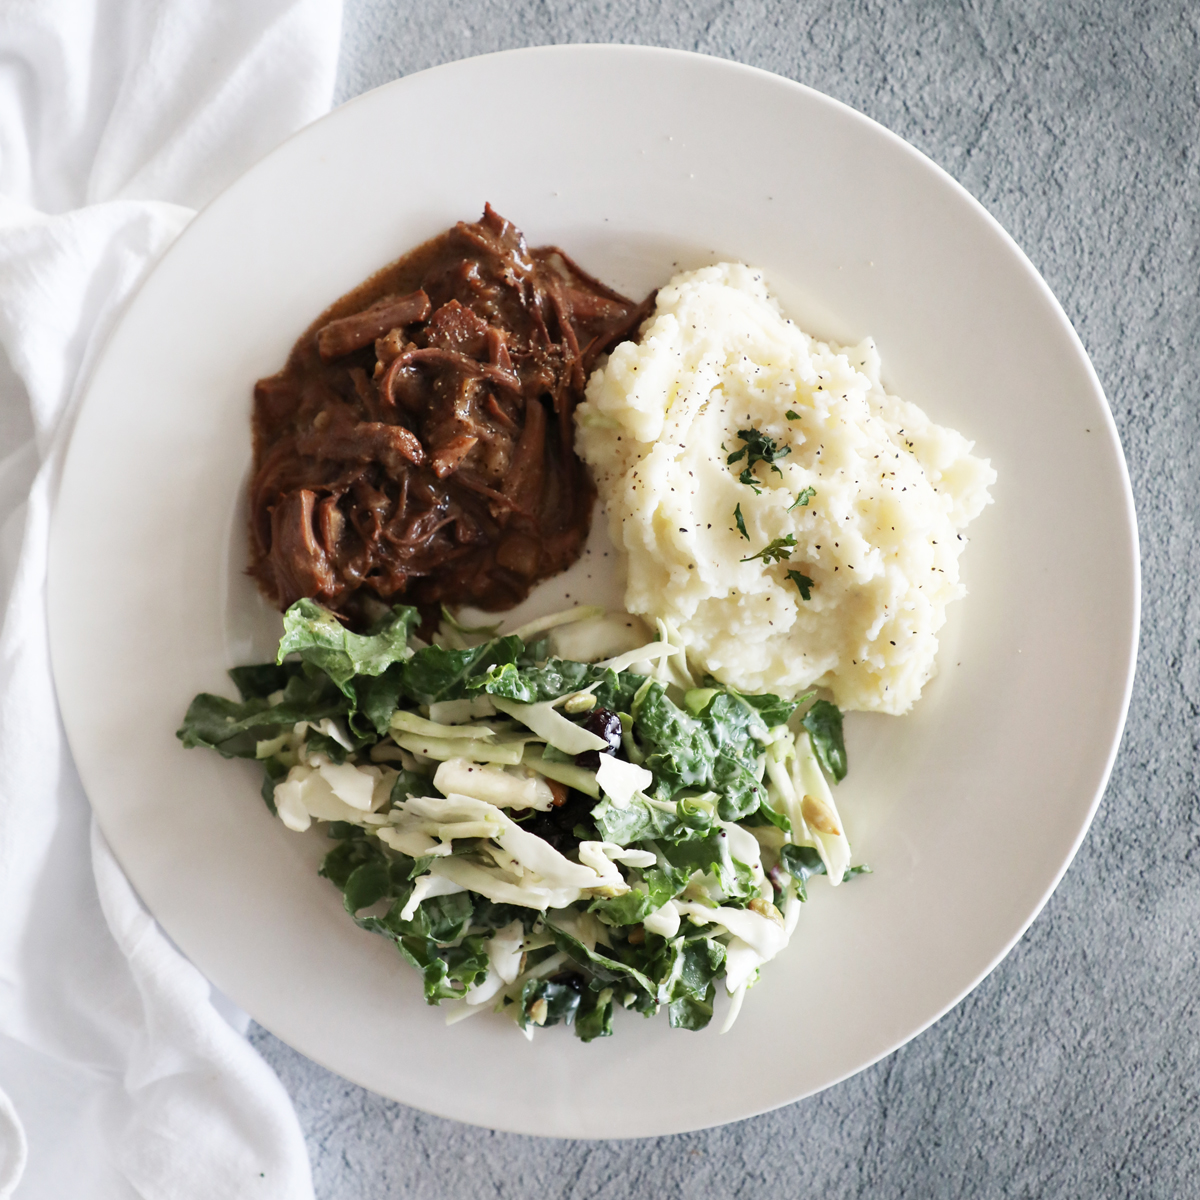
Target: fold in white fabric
x: 119, y: 1077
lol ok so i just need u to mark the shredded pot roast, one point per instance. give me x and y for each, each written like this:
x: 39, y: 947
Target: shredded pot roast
x: 418, y: 443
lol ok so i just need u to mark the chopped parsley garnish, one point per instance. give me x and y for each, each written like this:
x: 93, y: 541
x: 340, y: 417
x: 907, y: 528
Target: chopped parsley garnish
x: 803, y: 583
x: 802, y: 500
x: 741, y: 522
x: 792, y: 415
x: 758, y: 448
x: 775, y: 551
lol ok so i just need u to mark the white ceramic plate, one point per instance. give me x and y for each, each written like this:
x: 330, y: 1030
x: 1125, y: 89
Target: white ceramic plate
x: 637, y: 161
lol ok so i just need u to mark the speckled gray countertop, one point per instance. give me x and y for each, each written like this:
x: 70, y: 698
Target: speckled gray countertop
x: 1074, y: 1069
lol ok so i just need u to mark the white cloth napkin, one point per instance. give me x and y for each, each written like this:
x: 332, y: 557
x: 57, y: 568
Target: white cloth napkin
x: 120, y: 1076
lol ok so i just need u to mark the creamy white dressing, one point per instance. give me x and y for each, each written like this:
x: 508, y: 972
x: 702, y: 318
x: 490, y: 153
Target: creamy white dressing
x: 425, y: 888
x: 411, y: 841
x: 554, y: 868
x: 643, y: 654
x: 620, y: 780
x: 490, y: 884
x: 579, y: 778
x: 331, y: 729
x: 511, y: 787
x: 664, y: 921
x: 544, y: 873
x: 547, y: 722
x: 568, y: 616
x: 307, y: 794
x: 743, y: 846
x: 762, y: 934
x: 455, y: 712
x: 834, y: 849
x: 505, y: 950
x: 599, y: 637
x: 353, y: 785
x: 439, y: 749
x: 741, y: 963
x: 735, y: 1007
x: 408, y: 722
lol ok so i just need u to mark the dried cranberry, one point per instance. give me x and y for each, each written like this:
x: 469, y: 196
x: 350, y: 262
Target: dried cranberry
x: 606, y: 724
x: 603, y: 724
x: 571, y: 979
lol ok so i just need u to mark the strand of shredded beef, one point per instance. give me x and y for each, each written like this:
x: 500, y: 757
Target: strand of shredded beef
x: 418, y: 443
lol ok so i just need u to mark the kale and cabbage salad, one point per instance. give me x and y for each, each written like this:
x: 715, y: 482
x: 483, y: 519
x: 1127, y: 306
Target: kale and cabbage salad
x: 538, y: 835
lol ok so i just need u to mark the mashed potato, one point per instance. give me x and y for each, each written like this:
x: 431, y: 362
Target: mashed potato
x: 872, y: 494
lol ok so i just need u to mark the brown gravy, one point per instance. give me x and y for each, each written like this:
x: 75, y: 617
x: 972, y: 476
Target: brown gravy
x: 418, y: 443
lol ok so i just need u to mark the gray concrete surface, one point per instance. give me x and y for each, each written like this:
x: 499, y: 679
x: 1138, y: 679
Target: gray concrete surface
x: 1074, y: 1069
